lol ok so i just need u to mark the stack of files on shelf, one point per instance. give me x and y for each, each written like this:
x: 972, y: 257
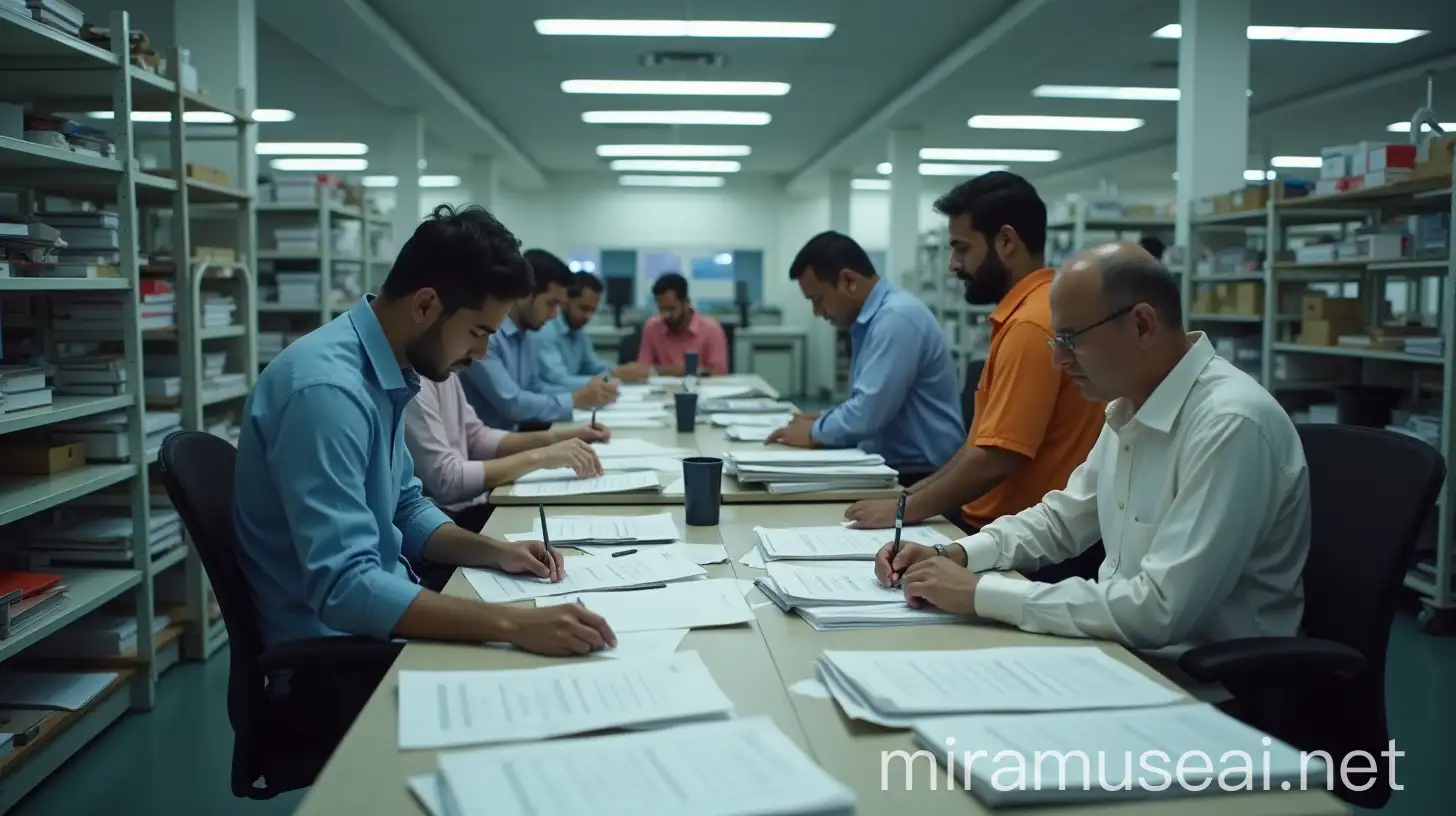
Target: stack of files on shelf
x: 733, y: 768
x: 443, y: 709
x: 1103, y: 738
x: 644, y: 481
x: 682, y: 605
x: 97, y: 636
x: 27, y: 598
x: 98, y: 376
x: 102, y: 311
x: 299, y: 289
x: 57, y: 14
x: 297, y: 240
x: 650, y: 567
x: 898, y: 688
x: 103, y: 540
x: 1432, y: 346
x: 170, y: 365
x: 67, y: 691
x: 806, y: 471
x: 658, y: 528
x: 107, y: 436
x: 22, y: 388
x: 836, y: 543
x: 93, y: 248
x: 218, y: 310
x: 164, y: 388
x: 270, y: 344
x: 347, y: 280
x: 225, y: 427
x: 221, y: 380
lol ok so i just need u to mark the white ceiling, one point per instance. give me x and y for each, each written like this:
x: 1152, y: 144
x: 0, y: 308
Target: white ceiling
x: 486, y: 83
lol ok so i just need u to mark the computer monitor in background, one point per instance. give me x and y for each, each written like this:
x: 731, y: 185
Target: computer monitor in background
x: 621, y: 294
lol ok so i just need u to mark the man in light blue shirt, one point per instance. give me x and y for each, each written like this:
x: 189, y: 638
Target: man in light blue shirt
x: 567, y: 358
x: 329, y: 515
x: 903, y: 402
x: 507, y: 389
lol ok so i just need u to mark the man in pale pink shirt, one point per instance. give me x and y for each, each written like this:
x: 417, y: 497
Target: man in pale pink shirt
x: 458, y: 459
x: 677, y: 329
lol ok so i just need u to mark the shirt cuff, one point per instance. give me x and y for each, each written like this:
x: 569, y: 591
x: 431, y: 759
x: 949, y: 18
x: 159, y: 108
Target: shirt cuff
x: 1000, y: 598
x: 418, y: 529
x: 817, y: 432
x: 392, y: 596
x: 982, y: 553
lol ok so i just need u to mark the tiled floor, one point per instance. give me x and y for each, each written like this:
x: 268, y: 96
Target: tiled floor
x: 174, y: 760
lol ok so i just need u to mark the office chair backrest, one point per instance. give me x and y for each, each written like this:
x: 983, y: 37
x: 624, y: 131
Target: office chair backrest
x: 1371, y: 491
x: 630, y: 346
x: 968, y: 391
x: 197, y: 470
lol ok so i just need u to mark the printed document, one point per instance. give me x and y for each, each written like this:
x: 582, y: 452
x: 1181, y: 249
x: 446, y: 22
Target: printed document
x: 701, y: 554
x: 821, y: 585
x: 837, y: 543
x: 572, y: 529
x: 688, y: 605
x: 584, y: 575
x: 610, y: 483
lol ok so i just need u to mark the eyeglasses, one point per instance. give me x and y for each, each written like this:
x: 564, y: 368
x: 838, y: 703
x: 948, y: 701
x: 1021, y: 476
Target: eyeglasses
x: 1067, y: 341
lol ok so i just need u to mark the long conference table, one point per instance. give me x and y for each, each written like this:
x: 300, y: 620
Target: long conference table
x: 755, y: 665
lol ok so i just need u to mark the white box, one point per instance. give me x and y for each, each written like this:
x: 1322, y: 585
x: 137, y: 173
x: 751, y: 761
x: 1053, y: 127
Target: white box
x: 1380, y: 178
x: 1336, y: 161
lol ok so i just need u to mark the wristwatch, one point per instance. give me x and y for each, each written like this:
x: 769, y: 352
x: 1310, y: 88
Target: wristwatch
x: 941, y: 550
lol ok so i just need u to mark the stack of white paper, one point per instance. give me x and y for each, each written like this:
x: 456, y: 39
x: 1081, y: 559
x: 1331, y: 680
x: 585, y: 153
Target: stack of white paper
x: 894, y: 689
x: 836, y: 543
x: 1079, y: 756
x: 749, y: 433
x: 735, y: 768
x: 686, y: 605
x: 790, y: 471
x: 610, y: 464
x: 714, y: 396
x: 872, y: 616
x: 627, y: 393
x: 645, y: 481
x: 658, y: 528
x: 636, y: 447
x: 441, y: 709
x: 773, y: 419
x: 825, y: 585
x: 650, y: 567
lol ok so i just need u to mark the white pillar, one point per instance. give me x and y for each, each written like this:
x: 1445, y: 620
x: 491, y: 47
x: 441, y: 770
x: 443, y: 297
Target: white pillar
x: 404, y: 160
x: 1213, y: 105
x: 839, y: 195
x: 484, y: 183
x: 904, y: 202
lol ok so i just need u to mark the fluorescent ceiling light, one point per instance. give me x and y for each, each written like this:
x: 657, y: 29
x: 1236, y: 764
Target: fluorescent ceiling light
x: 1105, y: 92
x: 675, y: 166
x: 311, y: 149
x: 684, y: 28
x: 676, y: 117
x: 670, y: 181
x: 1297, y: 161
x: 190, y: 117
x: 1111, y: 124
x: 1256, y: 175
x: 273, y: 115
x: 990, y: 154
x: 1326, y: 34
x: 674, y: 87
x: 678, y: 151
x: 723, y: 259
x: 425, y: 181
x: 321, y: 165
x: 870, y: 184
x: 380, y: 181
x: 959, y: 169
x: 1404, y: 127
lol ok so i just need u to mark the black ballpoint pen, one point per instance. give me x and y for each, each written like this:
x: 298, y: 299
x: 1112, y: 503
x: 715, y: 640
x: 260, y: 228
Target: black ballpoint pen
x: 899, y: 527
x: 545, y: 535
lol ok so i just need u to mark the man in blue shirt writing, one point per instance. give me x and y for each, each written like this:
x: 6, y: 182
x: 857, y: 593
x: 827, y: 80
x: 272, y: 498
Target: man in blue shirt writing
x: 903, y: 403
x: 506, y: 388
x: 330, y: 518
x: 567, y: 358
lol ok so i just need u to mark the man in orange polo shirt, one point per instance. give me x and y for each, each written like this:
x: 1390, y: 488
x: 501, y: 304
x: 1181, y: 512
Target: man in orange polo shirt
x: 1031, y: 427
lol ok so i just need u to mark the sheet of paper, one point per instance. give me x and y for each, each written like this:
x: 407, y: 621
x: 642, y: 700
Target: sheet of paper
x: 586, y: 575
x: 660, y: 381
x: 70, y: 691
x: 611, y: 464
x: 739, y: 766
x: 754, y: 558
x: 571, y: 528
x: 750, y: 433
x: 823, y: 585
x: 610, y: 483
x: 426, y: 790
x: 875, y: 616
x: 689, y: 605
x: 837, y: 542
x: 441, y: 709
x: 774, y: 420
x: 635, y: 423
x: 636, y: 409
x: 639, y: 644
x: 636, y: 392
x: 823, y: 457
x: 908, y: 684
x: 701, y: 554
x: 632, y: 447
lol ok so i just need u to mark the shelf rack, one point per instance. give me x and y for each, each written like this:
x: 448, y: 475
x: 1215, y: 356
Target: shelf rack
x: 56, y: 72
x: 1273, y: 224
x: 1080, y: 225
x: 967, y: 334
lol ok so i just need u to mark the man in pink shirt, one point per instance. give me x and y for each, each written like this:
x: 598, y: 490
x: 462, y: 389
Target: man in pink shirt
x: 459, y: 460
x: 678, y: 329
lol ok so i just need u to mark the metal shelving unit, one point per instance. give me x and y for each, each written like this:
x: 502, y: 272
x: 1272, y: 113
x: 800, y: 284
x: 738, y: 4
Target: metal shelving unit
x: 967, y: 333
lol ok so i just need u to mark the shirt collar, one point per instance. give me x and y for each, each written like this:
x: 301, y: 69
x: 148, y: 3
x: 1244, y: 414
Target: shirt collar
x: 508, y: 327
x: 1162, y: 407
x: 565, y: 327
x: 693, y: 324
x: 378, y: 351
x: 1019, y: 293
x: 873, y: 303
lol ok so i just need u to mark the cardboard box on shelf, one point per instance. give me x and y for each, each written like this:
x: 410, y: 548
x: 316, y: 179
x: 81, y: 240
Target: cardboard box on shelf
x: 1223, y: 203
x: 1318, y: 332
x: 35, y: 458
x: 1207, y: 301
x: 1437, y: 163
x: 1381, y: 246
x: 1336, y: 161
x: 1381, y: 178
x: 1251, y: 198
x: 1245, y: 298
x: 1319, y: 306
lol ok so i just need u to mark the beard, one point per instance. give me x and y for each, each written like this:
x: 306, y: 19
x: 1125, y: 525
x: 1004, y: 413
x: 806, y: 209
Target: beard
x: 989, y: 284
x: 426, y: 355
x: 573, y: 325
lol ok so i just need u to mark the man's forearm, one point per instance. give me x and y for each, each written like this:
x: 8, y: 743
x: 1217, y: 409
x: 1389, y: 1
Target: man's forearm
x: 969, y: 476
x: 507, y: 469
x: 924, y: 484
x: 520, y: 442
x: 432, y: 616
x: 453, y: 545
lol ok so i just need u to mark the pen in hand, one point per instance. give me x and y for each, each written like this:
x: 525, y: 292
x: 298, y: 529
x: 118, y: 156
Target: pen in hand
x: 546, y: 540
x: 899, y: 528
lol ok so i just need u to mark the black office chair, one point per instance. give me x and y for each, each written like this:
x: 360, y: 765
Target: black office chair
x: 1370, y: 493
x: 629, y: 347
x: 729, y: 330
x: 968, y: 391
x: 197, y: 470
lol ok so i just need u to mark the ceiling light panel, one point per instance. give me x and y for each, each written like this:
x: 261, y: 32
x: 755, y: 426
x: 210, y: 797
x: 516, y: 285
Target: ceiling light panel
x: 1324, y: 34
x: 672, y: 151
x: 684, y: 28
x: 311, y: 149
x: 670, y: 181
x: 675, y: 166
x: 320, y: 165
x: 676, y: 117
x: 1307, y: 162
x: 273, y: 115
x: 988, y: 154
x: 1106, y: 124
x: 1404, y: 127
x: 674, y: 87
x: 1138, y: 94
x: 959, y: 169
x: 870, y: 184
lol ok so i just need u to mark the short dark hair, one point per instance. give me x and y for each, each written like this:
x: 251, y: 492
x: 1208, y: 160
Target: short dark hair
x: 671, y: 282
x: 1154, y: 245
x: 465, y: 255
x: 549, y: 270
x: 829, y: 252
x: 1129, y: 282
x: 582, y: 281
x: 997, y: 200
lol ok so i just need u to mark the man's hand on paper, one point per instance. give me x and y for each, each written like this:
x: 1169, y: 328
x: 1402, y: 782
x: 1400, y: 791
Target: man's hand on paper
x: 943, y: 584
x: 872, y: 514
x: 565, y: 629
x: 795, y: 435
x: 574, y: 454
x: 632, y: 372
x: 592, y: 433
x: 529, y: 558
x: 910, y: 554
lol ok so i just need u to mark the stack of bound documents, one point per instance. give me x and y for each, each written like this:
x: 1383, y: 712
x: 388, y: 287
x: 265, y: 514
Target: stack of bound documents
x: 831, y: 597
x: 836, y: 543
x: 646, y: 481
x: 567, y: 530
x: 809, y: 471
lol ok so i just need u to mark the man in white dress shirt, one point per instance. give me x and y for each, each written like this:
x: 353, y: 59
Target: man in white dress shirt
x: 1197, y: 487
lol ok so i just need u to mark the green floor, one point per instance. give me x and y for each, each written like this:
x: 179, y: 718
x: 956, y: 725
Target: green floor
x: 174, y: 760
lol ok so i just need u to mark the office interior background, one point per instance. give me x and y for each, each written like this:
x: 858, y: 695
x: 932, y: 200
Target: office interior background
x: 1201, y: 123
